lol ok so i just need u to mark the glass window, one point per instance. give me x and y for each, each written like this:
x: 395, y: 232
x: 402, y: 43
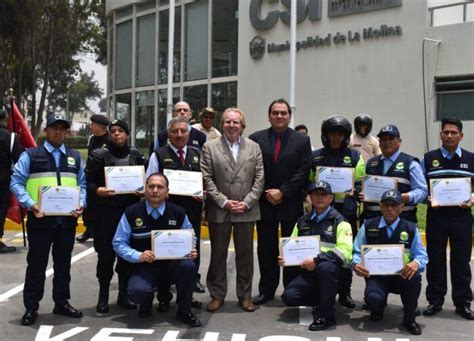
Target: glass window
x: 146, y: 6
x: 145, y: 113
x: 162, y: 99
x: 196, y: 96
x: 196, y: 40
x: 124, y: 107
x: 455, y: 97
x: 447, y: 15
x: 146, y: 50
x: 163, y: 46
x: 225, y: 27
x: 123, y: 12
x: 224, y: 95
x: 470, y: 12
x: 123, y: 69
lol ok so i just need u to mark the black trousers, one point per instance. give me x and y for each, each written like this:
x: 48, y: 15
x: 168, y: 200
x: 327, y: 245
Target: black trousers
x: 5, y: 191
x: 107, y: 221
x: 378, y: 287
x: 40, y: 241
x: 458, y: 229
x: 146, y: 277
x: 195, y: 220
x: 318, y: 288
x: 268, y: 250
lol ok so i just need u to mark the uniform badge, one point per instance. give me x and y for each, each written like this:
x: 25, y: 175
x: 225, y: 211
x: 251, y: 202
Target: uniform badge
x: 435, y: 163
x: 400, y: 166
x: 138, y: 222
x: 195, y: 159
x: 370, y: 144
x: 114, y: 122
x: 403, y: 236
x: 330, y: 229
x: 347, y: 159
x: 172, y: 223
x: 71, y: 161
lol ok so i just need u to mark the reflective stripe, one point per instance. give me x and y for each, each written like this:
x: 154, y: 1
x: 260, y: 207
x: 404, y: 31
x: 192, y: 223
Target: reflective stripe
x: 33, y: 184
x: 327, y: 245
x: 453, y: 172
x: 52, y: 174
x: 376, y: 208
x: 339, y: 200
x: 402, y: 180
x: 338, y: 253
x: 141, y: 235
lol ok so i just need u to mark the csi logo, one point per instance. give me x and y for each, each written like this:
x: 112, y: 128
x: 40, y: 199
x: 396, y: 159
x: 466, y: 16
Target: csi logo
x: 310, y: 9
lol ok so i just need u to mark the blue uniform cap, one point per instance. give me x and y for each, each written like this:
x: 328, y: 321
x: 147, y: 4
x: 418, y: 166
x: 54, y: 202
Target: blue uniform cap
x: 393, y: 196
x: 389, y: 129
x: 321, y: 185
x: 53, y: 119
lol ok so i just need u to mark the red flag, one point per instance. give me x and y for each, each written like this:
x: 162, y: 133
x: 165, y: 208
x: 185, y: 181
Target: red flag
x: 17, y: 124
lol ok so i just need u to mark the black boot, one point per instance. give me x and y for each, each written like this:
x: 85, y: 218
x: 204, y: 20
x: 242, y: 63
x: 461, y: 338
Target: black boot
x: 103, y: 302
x: 122, y: 299
x: 85, y: 236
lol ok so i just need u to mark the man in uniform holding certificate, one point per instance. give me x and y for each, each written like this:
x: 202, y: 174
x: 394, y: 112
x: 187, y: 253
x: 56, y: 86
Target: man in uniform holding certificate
x: 405, y: 168
x: 335, y: 136
x: 323, y: 272
x: 132, y: 242
x: 110, y: 207
x: 454, y: 222
x: 178, y: 155
x: 391, y: 229
x: 51, y: 164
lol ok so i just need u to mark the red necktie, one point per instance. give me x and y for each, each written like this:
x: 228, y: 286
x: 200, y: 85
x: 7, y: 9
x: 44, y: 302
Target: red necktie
x: 181, y: 156
x: 276, y: 153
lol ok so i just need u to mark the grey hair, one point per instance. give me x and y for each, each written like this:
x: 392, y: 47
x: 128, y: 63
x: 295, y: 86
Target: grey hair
x: 176, y: 120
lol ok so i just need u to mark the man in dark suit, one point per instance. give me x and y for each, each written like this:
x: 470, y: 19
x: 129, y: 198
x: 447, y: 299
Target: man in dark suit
x: 196, y: 137
x: 286, y: 159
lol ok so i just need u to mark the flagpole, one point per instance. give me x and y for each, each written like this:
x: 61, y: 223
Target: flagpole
x: 169, y: 107
x: 292, y: 61
x: 12, y: 113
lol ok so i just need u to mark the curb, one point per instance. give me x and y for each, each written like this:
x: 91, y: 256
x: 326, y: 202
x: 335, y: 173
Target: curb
x: 10, y: 225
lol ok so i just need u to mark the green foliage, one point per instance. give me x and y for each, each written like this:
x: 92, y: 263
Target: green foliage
x: 41, y: 41
x: 76, y: 142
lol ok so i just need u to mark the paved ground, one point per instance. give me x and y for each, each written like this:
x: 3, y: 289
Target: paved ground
x: 271, y: 322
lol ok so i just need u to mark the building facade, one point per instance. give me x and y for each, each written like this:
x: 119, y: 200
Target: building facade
x: 409, y: 63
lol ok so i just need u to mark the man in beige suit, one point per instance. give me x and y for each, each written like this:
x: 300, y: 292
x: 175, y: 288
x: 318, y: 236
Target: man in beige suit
x: 232, y: 168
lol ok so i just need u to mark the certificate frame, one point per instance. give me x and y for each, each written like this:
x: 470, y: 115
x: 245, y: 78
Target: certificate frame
x: 157, y: 233
x: 435, y: 182
x: 43, y: 189
x: 322, y: 169
x: 368, y: 247
x: 375, y: 177
x: 140, y: 172
x: 185, y: 183
x: 282, y: 244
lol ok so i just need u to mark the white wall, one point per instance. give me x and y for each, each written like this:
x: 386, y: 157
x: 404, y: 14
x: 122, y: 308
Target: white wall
x: 380, y: 77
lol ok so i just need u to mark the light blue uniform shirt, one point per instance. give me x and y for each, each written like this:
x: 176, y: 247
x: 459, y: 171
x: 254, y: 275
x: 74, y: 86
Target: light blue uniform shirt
x: 446, y: 154
x: 320, y: 217
x: 417, y: 251
x: 154, y: 167
x: 419, y: 188
x: 121, y: 241
x: 21, y: 173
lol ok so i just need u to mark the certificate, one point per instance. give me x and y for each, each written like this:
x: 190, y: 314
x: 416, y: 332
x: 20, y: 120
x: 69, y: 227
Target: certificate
x: 341, y: 179
x: 184, y: 182
x: 58, y: 200
x: 296, y: 249
x: 125, y: 179
x: 450, y: 191
x: 172, y: 244
x: 383, y: 259
x: 373, y: 186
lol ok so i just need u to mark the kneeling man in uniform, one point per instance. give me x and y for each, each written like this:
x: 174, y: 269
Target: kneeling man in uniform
x: 391, y: 229
x: 319, y: 278
x: 132, y: 242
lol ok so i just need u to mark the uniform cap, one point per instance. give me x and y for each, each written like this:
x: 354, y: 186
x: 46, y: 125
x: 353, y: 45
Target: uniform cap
x: 321, y: 185
x: 122, y: 124
x: 393, y: 196
x: 100, y: 119
x: 53, y: 119
x: 389, y: 129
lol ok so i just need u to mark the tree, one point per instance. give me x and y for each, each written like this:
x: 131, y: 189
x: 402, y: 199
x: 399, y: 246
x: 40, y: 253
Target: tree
x: 73, y: 98
x: 40, y: 43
